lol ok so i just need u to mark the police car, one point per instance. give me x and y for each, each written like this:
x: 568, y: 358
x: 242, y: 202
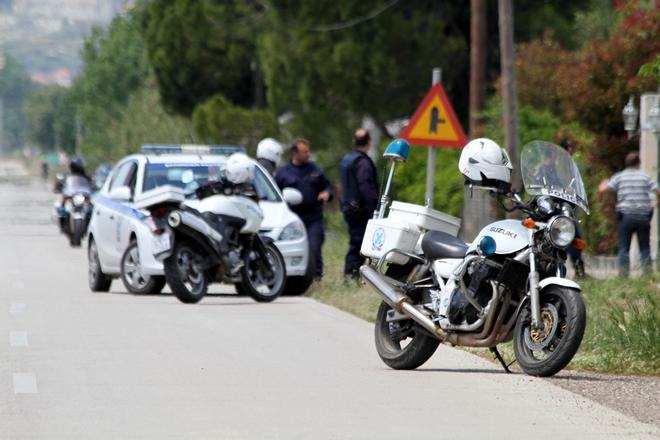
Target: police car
x: 120, y: 243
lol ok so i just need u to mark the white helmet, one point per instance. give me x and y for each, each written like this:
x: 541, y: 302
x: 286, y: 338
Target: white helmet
x: 269, y: 149
x: 484, y: 163
x: 239, y: 168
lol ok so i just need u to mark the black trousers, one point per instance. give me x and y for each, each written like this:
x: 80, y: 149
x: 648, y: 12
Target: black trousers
x: 356, y: 229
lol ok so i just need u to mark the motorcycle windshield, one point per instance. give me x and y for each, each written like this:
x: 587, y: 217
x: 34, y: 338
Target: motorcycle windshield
x: 75, y: 184
x: 548, y: 169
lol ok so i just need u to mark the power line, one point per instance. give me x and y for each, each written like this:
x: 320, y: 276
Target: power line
x: 369, y: 16
x: 52, y: 43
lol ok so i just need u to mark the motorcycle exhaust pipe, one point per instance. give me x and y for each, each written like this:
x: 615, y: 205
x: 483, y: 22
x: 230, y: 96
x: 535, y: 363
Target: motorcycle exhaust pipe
x: 399, y: 301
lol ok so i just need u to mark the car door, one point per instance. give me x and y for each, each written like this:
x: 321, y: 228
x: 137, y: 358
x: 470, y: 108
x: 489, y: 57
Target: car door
x: 110, y: 212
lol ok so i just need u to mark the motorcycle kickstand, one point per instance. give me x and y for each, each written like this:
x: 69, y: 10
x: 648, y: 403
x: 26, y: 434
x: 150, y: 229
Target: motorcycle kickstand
x: 499, y: 358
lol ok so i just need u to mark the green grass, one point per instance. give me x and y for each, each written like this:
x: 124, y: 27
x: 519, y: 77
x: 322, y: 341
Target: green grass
x: 623, y: 316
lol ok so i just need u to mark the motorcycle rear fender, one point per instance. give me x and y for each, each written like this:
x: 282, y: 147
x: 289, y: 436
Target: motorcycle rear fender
x: 559, y: 282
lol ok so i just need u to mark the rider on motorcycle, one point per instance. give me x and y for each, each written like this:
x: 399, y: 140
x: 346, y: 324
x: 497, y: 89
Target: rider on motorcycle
x: 76, y: 168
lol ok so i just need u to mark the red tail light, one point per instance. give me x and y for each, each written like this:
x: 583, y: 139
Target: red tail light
x: 159, y: 212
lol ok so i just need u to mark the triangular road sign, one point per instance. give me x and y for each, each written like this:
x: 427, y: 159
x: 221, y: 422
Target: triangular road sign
x: 435, y: 123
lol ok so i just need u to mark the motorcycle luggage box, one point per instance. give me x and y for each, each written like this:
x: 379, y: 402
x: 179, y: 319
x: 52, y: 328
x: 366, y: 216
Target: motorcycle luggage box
x: 161, y: 194
x: 385, y: 234
x: 425, y: 218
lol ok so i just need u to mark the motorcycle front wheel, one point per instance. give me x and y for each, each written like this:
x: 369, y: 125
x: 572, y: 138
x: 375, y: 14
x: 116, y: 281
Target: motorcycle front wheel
x: 545, y: 351
x: 77, y: 232
x: 261, y: 283
x: 399, y: 345
x: 187, y: 282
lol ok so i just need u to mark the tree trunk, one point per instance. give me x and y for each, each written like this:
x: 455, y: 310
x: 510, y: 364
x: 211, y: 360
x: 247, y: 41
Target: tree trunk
x: 509, y: 88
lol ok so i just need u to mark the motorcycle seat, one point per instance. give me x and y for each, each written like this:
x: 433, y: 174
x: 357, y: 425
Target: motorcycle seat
x: 437, y: 244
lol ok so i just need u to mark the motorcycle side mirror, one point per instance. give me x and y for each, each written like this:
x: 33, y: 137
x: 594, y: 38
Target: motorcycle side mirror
x: 292, y: 196
x: 120, y: 194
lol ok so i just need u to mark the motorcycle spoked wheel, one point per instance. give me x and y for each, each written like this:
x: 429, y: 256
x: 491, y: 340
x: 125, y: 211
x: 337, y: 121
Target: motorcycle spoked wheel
x: 547, y: 351
x: 186, y: 281
x: 256, y: 282
x: 399, y: 345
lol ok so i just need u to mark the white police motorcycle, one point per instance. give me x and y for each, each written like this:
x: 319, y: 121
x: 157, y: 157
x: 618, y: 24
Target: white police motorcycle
x: 508, y: 284
x: 213, y: 236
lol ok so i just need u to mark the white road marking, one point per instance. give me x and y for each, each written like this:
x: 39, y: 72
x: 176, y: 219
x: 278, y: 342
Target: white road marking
x: 18, y: 285
x: 18, y: 339
x: 25, y: 383
x: 17, y: 308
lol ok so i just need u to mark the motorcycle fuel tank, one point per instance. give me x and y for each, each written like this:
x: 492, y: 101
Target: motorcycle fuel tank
x: 509, y: 235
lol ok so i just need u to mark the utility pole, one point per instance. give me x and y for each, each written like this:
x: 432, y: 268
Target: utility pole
x: 477, y: 208
x: 509, y: 88
x: 478, y: 42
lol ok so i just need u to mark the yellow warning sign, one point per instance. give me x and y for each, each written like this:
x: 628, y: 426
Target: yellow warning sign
x: 435, y: 123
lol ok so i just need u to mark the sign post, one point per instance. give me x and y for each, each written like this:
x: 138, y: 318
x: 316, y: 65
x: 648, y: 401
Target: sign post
x: 434, y: 124
x: 430, y: 167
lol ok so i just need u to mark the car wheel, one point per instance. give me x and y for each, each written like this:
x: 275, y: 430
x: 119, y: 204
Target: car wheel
x: 98, y: 281
x: 134, y: 280
x: 299, y: 285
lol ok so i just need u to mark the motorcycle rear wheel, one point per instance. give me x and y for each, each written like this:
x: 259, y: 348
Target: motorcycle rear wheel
x: 545, y: 352
x: 255, y: 283
x: 396, y: 351
x: 187, y: 283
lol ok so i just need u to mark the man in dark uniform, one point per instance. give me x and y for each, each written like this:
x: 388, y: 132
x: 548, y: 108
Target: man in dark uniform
x: 359, y: 198
x: 316, y: 190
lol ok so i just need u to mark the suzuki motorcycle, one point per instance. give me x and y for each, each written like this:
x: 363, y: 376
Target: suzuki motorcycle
x: 507, y: 285
x: 213, y: 236
x: 75, y: 209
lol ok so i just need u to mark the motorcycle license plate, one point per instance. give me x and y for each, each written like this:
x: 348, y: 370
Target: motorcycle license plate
x: 160, y: 243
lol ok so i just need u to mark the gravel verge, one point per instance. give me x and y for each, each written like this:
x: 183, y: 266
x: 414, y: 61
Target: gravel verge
x: 634, y: 396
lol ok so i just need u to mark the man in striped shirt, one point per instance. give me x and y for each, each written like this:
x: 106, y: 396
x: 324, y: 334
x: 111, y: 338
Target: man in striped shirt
x: 635, y: 201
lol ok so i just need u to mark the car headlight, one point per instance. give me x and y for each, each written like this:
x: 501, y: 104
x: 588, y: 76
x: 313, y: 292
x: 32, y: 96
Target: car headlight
x: 78, y: 199
x: 561, y: 231
x: 292, y: 231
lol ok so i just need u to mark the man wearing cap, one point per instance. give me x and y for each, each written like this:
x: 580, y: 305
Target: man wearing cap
x: 316, y: 190
x: 359, y: 199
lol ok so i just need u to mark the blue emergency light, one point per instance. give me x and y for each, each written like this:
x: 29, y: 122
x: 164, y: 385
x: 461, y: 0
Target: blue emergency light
x: 192, y: 149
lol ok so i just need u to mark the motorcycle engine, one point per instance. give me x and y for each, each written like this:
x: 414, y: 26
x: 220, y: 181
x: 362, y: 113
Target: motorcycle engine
x: 477, y: 279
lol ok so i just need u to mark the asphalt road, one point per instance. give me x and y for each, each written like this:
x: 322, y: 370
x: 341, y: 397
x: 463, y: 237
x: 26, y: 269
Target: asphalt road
x: 76, y: 364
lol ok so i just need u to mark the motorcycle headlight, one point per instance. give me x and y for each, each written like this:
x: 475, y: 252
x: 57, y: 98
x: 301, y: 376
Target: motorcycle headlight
x: 78, y: 199
x: 292, y: 231
x: 561, y: 231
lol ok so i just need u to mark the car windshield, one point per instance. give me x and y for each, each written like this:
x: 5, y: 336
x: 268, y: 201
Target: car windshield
x: 189, y: 176
x: 548, y: 169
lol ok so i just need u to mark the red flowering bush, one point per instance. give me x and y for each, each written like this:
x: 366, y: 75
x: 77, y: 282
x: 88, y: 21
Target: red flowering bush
x: 591, y: 87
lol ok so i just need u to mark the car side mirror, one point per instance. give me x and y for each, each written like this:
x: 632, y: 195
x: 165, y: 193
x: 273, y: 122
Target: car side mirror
x: 120, y: 194
x: 292, y: 196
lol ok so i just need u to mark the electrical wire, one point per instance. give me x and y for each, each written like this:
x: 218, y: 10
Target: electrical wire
x: 369, y: 16
x: 32, y: 45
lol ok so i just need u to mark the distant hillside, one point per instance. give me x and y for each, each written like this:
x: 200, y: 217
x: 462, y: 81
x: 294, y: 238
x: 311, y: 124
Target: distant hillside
x: 46, y: 35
